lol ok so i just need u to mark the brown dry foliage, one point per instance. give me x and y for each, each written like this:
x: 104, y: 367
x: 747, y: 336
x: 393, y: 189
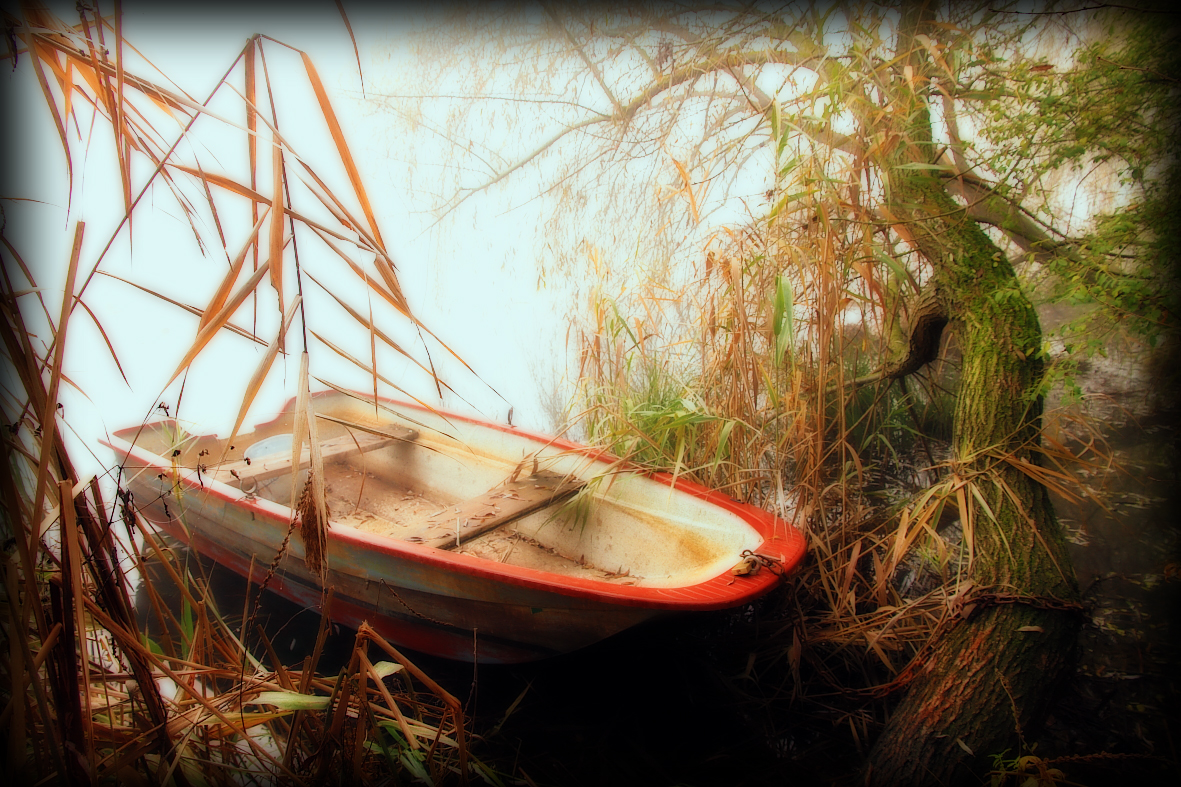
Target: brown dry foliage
x: 82, y: 685
x: 784, y: 425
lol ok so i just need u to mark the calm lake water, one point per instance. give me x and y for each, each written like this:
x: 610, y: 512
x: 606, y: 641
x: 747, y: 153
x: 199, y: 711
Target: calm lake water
x: 1125, y: 699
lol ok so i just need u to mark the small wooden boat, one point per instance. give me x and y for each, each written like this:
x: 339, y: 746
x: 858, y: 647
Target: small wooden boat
x: 458, y: 537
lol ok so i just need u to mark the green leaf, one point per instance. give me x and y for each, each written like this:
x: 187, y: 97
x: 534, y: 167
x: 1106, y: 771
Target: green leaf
x: 782, y: 321
x: 153, y: 646
x: 410, y: 759
x: 789, y: 166
x: 919, y: 165
x: 290, y: 700
x: 982, y: 95
x: 900, y: 273
x: 186, y: 620
x: 383, y: 669
x: 723, y: 442
x: 785, y: 201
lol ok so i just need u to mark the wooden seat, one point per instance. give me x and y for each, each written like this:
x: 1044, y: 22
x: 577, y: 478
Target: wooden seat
x: 499, y: 506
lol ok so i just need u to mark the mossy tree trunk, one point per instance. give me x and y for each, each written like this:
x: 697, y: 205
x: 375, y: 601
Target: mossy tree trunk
x: 994, y: 671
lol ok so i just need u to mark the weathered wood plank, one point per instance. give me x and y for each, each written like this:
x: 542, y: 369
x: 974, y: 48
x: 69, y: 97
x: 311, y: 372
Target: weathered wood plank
x: 502, y: 505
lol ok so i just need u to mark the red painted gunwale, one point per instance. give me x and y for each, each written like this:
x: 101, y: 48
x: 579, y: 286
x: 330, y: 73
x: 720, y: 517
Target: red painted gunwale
x: 782, y: 542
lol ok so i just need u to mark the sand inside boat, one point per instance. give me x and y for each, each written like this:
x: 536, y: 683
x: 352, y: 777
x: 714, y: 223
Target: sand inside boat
x: 361, y: 499
x: 368, y: 489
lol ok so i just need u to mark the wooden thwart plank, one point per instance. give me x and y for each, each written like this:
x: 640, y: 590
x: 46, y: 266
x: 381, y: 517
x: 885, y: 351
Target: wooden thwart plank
x: 504, y: 504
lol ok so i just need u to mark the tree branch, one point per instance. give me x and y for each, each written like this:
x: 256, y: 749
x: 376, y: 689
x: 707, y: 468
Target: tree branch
x: 590, y: 64
x: 727, y: 63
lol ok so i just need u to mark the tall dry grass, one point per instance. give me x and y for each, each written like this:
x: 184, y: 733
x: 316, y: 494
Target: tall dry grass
x: 763, y: 373
x: 87, y: 696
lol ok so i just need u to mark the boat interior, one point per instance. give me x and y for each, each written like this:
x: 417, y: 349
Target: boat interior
x: 419, y: 477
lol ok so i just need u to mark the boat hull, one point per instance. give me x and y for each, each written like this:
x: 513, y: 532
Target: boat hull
x: 436, y: 601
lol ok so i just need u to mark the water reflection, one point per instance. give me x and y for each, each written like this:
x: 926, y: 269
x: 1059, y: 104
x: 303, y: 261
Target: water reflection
x: 1125, y: 543
x: 1126, y: 549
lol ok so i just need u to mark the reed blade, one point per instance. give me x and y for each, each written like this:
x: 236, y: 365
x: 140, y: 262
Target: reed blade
x: 264, y: 366
x: 277, y: 221
x: 227, y: 284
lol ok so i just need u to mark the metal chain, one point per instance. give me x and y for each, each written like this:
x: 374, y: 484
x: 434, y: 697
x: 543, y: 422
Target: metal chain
x: 773, y: 565
x: 413, y: 611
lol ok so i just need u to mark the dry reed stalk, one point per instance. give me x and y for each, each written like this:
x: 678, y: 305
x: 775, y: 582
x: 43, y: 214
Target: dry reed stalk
x: 95, y: 709
x: 788, y: 445
x: 312, y: 528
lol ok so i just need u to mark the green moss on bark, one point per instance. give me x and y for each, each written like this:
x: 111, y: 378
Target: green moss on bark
x: 993, y: 673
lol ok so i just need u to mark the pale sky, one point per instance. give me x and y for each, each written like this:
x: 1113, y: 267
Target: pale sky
x: 472, y: 278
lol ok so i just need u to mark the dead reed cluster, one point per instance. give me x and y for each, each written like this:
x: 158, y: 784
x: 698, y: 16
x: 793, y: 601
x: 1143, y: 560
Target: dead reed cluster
x: 88, y: 697
x: 765, y: 373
